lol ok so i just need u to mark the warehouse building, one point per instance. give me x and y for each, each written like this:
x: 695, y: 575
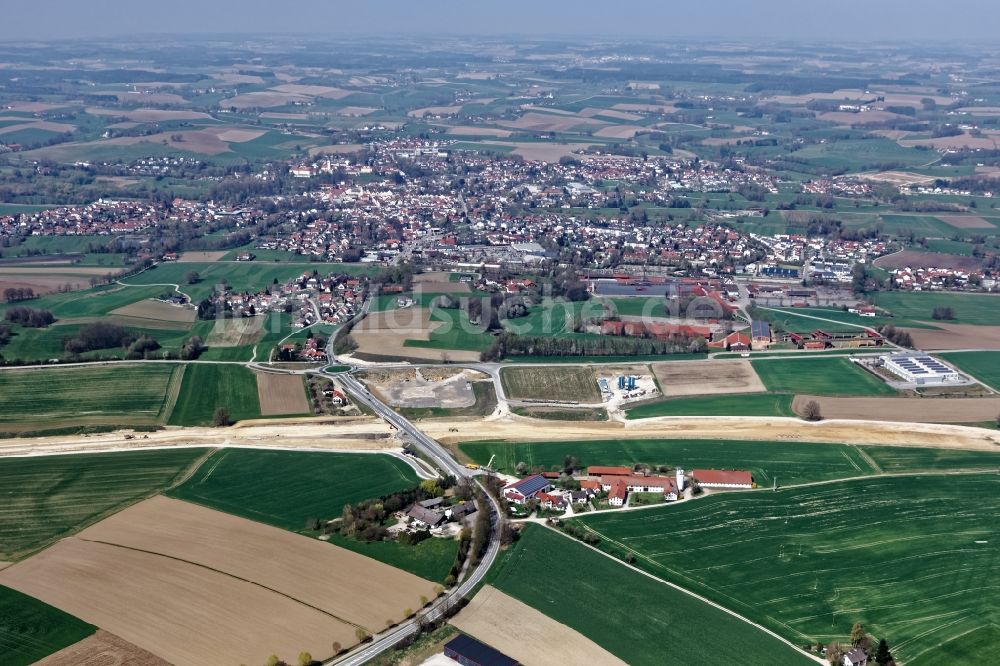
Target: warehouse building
x: 470, y: 652
x: 921, y: 369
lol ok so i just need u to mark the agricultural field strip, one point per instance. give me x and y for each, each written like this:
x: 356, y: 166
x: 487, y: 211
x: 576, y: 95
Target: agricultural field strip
x: 717, y: 589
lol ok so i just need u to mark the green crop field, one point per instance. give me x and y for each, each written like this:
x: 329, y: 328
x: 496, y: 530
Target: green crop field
x: 48, y: 497
x: 630, y: 615
x: 95, y: 302
x: 456, y: 333
x: 285, y: 488
x: 789, y: 462
x: 983, y: 365
x: 819, y: 376
x: 430, y: 559
x: 978, y: 309
x: 31, y: 629
x: 207, y: 386
x: 913, y: 558
x: 747, y: 404
x: 120, y: 394
x: 567, y: 383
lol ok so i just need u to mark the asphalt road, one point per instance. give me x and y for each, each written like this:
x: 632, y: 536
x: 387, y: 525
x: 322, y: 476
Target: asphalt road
x: 442, y: 458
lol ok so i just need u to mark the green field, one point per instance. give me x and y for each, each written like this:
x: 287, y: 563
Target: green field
x: 818, y: 376
x: 430, y: 559
x: 746, y: 404
x: 983, y: 365
x: 120, y: 394
x: 285, y: 488
x: 207, y: 386
x: 564, y: 384
x: 455, y: 333
x: 635, y: 618
x: 31, y: 629
x: 911, y: 557
x: 908, y: 306
x: 48, y: 497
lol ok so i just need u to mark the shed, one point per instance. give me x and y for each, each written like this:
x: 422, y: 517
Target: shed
x: 470, y: 652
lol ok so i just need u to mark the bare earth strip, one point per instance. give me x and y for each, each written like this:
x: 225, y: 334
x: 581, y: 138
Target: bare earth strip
x: 157, y: 310
x: 281, y: 394
x: 955, y: 336
x: 473, y: 130
x: 102, y: 649
x: 707, y: 377
x: 965, y: 221
x: 526, y: 634
x: 201, y: 257
x: 236, y: 332
x: 187, y: 615
x: 915, y: 259
x: 915, y: 410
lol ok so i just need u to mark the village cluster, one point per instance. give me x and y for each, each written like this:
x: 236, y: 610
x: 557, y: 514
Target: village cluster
x: 618, y: 486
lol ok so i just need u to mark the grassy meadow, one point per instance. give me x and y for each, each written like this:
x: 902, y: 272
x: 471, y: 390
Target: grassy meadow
x: 207, y: 386
x: 628, y: 614
x: 819, y: 376
x: 910, y: 557
x: 743, y: 404
x: 48, y: 497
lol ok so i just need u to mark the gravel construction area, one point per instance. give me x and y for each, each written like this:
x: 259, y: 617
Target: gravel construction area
x: 527, y: 635
x: 420, y: 391
x: 680, y: 378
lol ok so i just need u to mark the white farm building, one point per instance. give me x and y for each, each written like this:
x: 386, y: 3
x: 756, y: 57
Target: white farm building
x: 921, y: 369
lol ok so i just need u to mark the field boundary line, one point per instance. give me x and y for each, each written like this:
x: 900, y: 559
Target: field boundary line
x: 868, y: 459
x: 172, y: 393
x: 228, y: 575
x: 693, y: 594
x: 192, y: 469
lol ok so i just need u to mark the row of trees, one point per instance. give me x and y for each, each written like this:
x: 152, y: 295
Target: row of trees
x: 16, y: 294
x: 509, y: 344
x: 101, y: 335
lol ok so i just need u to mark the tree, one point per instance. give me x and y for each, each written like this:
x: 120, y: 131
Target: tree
x: 361, y: 634
x: 835, y: 653
x: 273, y: 660
x: 812, y: 412
x: 858, y: 634
x: 220, y: 417
x: 305, y: 659
x: 882, y: 654
x: 337, y: 647
x: 192, y: 277
x: 943, y: 313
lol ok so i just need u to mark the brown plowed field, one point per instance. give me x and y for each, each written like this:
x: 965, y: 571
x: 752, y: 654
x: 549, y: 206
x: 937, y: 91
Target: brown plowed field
x: 913, y: 410
x: 201, y: 257
x: 916, y: 259
x: 102, y: 649
x: 384, y: 334
x: 965, y: 221
x: 707, y: 377
x: 955, y: 336
x: 281, y: 394
x: 157, y: 310
x: 197, y: 586
x: 526, y: 634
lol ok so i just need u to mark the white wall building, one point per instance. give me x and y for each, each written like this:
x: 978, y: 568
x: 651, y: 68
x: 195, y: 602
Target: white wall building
x: 921, y: 369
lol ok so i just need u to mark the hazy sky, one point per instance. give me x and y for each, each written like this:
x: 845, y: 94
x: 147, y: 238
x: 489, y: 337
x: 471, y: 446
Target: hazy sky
x: 794, y: 20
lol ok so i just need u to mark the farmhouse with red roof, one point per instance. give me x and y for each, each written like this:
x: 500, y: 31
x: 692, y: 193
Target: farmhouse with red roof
x: 717, y: 478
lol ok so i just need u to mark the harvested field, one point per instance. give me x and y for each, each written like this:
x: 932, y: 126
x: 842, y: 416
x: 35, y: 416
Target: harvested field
x: 915, y: 259
x: 435, y: 111
x: 551, y: 384
x: 236, y: 332
x: 152, y: 308
x: 954, y: 142
x: 646, y: 108
x: 547, y: 122
x: 445, y: 287
x: 913, y: 410
x: 620, y: 131
x: 590, y: 112
x: 965, y: 221
x: 526, y: 634
x: 38, y: 125
x: 42, y: 284
x: 472, y: 130
x: 313, y: 91
x: 285, y: 116
x: 233, y: 78
x: 262, y: 100
x: 204, y: 587
x: 238, y: 134
x: 336, y: 149
x: 955, y: 336
x: 385, y: 333
x: 149, y: 115
x: 543, y: 151
x: 681, y: 378
x: 102, y: 649
x: 354, y: 111
x: 201, y: 257
x: 900, y: 177
x: 848, y: 118
x: 281, y: 394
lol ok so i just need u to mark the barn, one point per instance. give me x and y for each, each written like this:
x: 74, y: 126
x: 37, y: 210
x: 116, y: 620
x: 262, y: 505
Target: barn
x: 717, y: 478
x: 521, y: 491
x: 470, y: 652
